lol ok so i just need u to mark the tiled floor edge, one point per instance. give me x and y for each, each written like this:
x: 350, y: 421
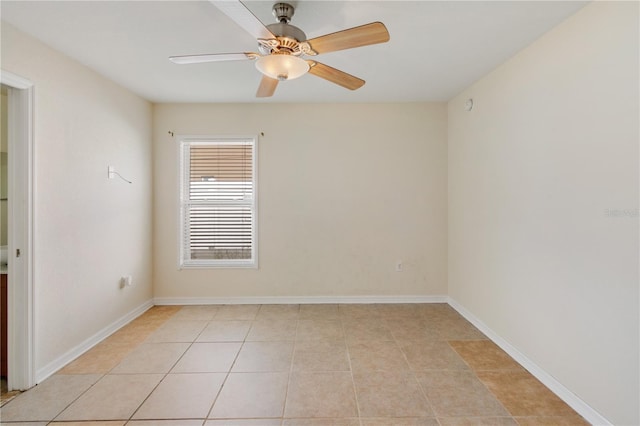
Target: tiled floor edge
x: 580, y: 406
x: 75, y: 352
x: 266, y: 300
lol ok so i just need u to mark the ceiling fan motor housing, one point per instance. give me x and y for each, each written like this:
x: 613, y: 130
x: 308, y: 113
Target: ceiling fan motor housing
x: 288, y: 36
x: 283, y: 12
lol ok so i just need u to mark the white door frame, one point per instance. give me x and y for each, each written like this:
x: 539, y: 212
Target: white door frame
x: 21, y: 327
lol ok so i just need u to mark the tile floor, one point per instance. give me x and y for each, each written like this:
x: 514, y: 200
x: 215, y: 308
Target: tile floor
x: 293, y: 365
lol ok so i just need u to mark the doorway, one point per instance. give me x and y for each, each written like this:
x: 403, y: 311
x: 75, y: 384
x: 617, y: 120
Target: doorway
x: 4, y: 202
x: 19, y: 216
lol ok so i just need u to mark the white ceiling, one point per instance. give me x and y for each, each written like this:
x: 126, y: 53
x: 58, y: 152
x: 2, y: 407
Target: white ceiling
x: 437, y: 48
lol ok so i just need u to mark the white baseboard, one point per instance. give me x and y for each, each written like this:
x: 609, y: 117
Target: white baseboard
x: 272, y: 300
x: 581, y: 407
x: 66, y: 358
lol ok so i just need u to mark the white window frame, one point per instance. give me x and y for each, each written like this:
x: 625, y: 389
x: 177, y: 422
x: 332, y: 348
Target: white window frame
x: 184, y: 142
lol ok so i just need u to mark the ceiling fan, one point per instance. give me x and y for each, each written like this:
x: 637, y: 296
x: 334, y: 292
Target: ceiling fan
x: 282, y: 47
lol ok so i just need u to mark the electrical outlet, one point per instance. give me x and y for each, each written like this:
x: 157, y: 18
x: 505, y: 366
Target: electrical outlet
x: 111, y: 172
x: 126, y: 281
x: 399, y: 266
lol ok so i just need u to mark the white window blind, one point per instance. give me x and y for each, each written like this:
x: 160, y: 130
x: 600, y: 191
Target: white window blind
x: 218, y: 203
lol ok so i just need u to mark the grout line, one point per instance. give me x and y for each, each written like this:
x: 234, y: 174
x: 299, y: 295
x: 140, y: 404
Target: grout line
x: 414, y: 373
x: 228, y: 372
x: 293, y: 355
x: 353, y: 381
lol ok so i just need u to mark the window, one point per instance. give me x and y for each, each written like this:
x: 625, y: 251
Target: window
x: 217, y: 202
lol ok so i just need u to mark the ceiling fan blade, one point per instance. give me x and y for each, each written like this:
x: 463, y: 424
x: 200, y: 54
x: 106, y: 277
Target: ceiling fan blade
x: 364, y: 35
x: 267, y: 87
x: 333, y: 75
x: 215, y: 57
x: 242, y: 16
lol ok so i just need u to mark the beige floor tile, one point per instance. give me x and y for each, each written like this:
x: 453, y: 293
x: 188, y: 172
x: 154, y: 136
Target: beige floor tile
x: 359, y: 311
x: 237, y: 312
x: 251, y: 395
x: 244, y: 422
x: 272, y: 330
x: 575, y: 420
x: 366, y: 329
x: 401, y: 310
x: 114, y: 397
x: 401, y: 421
x: 321, y: 394
x: 92, y: 423
x: 459, y: 394
x: 132, y: 333
x: 182, y: 422
x: 281, y: 312
x: 407, y: 329
x: 153, y: 319
x: 182, y: 396
x: 452, y: 329
x: 177, y: 331
x: 45, y: 401
x: 224, y: 331
x: 321, y: 422
x: 374, y: 355
x: 210, y: 357
x: 439, y: 311
x: 24, y: 423
x: 324, y: 312
x: 484, y: 355
x: 321, y: 345
x: 432, y: 355
x: 264, y: 356
x: 100, y: 359
x: 151, y: 358
x: 336, y: 360
x: 319, y: 330
x: 196, y: 312
x: 161, y: 312
x: 390, y: 394
x: 477, y: 421
x: 523, y: 395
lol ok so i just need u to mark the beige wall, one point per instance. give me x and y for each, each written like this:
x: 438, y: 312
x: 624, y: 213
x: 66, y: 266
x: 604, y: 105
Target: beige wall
x: 89, y: 231
x: 344, y: 191
x: 537, y: 171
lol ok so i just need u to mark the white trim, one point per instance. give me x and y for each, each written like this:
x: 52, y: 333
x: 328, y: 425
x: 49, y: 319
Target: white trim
x: 14, y: 81
x: 273, y: 300
x: 575, y: 402
x: 89, y: 343
x: 21, y: 294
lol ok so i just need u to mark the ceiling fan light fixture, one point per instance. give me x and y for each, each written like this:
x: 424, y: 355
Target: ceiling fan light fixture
x: 282, y: 67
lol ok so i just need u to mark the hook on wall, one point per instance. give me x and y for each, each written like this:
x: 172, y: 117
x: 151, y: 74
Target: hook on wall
x: 111, y: 173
